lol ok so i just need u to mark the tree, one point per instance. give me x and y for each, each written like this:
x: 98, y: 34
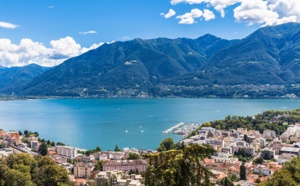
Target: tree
x: 259, y: 160
x: 245, y: 137
x: 20, y: 133
x: 60, y: 144
x: 52, y: 143
x: 279, y: 178
x: 22, y: 169
x: 133, y: 156
x: 43, y: 149
x: 226, y: 182
x: 117, y: 148
x: 179, y: 167
x: 166, y: 144
x: 26, y: 132
x: 98, y: 149
x: 243, y: 172
x: 99, y: 166
x: 87, y: 153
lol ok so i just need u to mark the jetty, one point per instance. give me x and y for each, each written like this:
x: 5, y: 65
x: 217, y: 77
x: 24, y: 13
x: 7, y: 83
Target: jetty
x: 173, y: 128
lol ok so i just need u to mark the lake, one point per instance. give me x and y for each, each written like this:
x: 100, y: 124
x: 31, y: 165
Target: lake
x: 87, y: 123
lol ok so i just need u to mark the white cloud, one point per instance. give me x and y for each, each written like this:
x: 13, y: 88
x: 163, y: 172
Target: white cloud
x: 171, y: 13
x: 50, y: 7
x: 208, y: 15
x: 28, y: 51
x: 189, y: 18
x: 88, y: 32
x: 8, y: 25
x: 263, y: 12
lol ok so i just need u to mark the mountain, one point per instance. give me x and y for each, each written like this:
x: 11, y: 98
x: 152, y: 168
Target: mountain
x: 11, y: 79
x: 130, y: 67
x: 185, y: 67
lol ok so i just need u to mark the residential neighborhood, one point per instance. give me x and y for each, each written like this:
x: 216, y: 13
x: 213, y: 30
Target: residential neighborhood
x: 260, y: 153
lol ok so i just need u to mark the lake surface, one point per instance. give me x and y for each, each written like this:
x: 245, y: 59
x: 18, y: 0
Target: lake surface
x: 87, y: 123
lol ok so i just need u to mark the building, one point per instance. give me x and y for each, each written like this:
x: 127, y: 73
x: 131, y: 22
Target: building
x: 117, y: 178
x: 285, y: 157
x: 83, y: 170
x: 261, y: 169
x: 269, y: 134
x: 125, y: 165
x: 34, y: 144
x: 67, y: 151
x: 290, y: 150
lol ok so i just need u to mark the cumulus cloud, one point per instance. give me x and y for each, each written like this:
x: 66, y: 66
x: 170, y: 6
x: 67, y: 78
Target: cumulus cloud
x: 267, y: 12
x: 208, y: 15
x: 8, y: 25
x: 171, y: 13
x: 189, y: 18
x: 263, y: 12
x: 50, y: 7
x: 28, y: 51
x: 88, y: 32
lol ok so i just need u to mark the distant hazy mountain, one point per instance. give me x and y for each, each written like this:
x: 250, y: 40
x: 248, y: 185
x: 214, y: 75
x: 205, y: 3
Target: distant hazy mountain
x: 161, y: 66
x: 11, y: 79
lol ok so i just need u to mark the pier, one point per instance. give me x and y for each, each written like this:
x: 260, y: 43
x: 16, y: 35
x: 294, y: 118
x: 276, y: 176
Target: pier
x: 173, y: 128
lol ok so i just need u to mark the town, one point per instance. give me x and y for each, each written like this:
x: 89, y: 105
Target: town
x: 245, y: 155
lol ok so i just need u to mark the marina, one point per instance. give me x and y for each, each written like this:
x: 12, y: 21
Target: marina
x: 173, y: 128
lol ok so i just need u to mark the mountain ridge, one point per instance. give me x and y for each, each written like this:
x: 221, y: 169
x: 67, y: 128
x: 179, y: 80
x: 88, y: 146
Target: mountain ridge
x: 153, y: 67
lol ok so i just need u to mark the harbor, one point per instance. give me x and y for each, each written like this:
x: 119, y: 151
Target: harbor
x: 182, y: 128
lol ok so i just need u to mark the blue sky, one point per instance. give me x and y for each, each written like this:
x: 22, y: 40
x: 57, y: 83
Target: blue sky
x: 37, y: 31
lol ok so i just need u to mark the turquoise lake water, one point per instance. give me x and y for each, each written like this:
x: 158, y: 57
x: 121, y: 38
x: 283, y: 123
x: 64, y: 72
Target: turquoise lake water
x: 87, y: 123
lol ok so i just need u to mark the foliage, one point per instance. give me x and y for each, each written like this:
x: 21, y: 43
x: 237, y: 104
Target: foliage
x: 179, y: 167
x: 243, y: 172
x: 43, y: 149
x: 22, y: 169
x: 133, y: 156
x: 288, y: 175
x: 166, y: 144
x: 258, y: 160
x: 60, y: 144
x: 89, y: 152
x: 226, y: 182
x: 266, y: 155
x: 117, y: 148
x: 99, y: 166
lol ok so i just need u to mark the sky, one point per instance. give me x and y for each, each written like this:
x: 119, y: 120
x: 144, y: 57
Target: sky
x: 47, y: 32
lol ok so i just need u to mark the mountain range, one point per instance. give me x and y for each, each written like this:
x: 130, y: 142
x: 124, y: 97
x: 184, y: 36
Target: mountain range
x: 267, y: 60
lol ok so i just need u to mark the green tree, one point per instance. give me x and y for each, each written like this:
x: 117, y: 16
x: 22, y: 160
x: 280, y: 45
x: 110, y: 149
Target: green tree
x: 166, y: 144
x: 259, y: 160
x: 99, y: 166
x: 243, y: 172
x: 226, y: 182
x: 280, y: 178
x: 117, y: 148
x: 20, y: 133
x: 52, y: 143
x: 179, y: 167
x: 133, y: 156
x: 98, y: 149
x: 87, y: 153
x: 22, y: 169
x: 43, y: 149
x: 245, y: 137
x: 60, y: 144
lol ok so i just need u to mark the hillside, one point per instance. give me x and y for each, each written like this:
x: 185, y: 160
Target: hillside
x: 11, y: 79
x: 126, y: 68
x: 266, y: 63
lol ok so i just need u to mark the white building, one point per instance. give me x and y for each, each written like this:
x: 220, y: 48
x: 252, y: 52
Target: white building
x: 67, y: 151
